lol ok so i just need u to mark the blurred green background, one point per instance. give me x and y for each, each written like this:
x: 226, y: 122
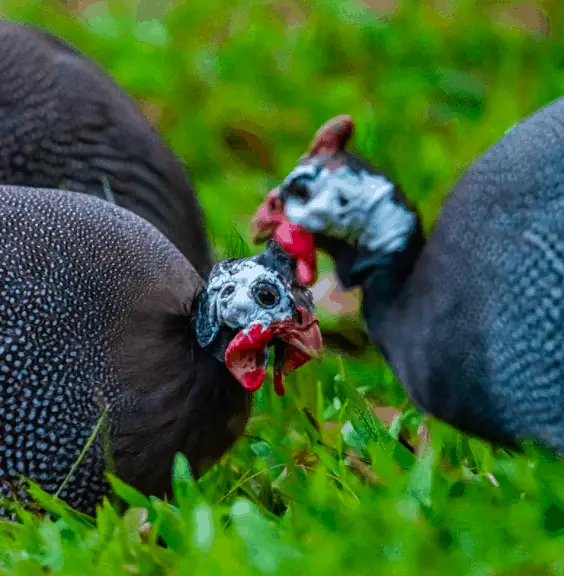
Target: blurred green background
x: 323, y: 482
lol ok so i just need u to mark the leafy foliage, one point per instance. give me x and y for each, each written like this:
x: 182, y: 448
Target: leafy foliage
x: 319, y: 484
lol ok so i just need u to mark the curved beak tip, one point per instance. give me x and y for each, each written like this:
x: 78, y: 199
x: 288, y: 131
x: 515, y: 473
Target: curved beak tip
x: 267, y: 217
x: 306, y: 337
x: 261, y: 230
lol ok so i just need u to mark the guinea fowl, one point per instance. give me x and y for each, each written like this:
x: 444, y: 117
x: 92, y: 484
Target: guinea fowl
x: 133, y: 335
x: 65, y: 124
x: 470, y: 318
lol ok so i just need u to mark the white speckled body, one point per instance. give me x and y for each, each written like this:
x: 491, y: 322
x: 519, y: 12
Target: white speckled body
x: 471, y: 319
x: 78, y: 277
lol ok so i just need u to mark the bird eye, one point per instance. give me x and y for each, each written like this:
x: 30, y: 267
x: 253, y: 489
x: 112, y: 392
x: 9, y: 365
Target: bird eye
x: 342, y: 200
x: 266, y: 295
x: 299, y: 189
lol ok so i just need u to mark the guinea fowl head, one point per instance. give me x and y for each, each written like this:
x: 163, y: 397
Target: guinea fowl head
x: 339, y: 203
x: 250, y: 304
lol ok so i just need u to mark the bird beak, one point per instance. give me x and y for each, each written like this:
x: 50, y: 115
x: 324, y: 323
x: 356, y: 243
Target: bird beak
x: 300, y: 342
x: 267, y: 218
x: 295, y: 343
x: 303, y: 335
x: 270, y: 221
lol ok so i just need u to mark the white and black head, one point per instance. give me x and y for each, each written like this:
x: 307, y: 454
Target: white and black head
x: 251, y: 303
x: 334, y: 200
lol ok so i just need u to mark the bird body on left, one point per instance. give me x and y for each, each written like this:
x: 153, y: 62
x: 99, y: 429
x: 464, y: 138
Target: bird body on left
x: 97, y: 313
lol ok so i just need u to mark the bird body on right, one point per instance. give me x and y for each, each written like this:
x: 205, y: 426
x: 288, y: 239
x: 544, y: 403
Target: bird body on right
x: 470, y: 318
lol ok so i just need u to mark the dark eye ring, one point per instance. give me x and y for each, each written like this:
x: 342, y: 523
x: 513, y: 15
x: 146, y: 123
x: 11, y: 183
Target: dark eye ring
x: 342, y: 200
x: 266, y: 295
x: 299, y: 189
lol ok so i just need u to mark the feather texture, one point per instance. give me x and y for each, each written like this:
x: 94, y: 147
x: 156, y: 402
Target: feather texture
x: 66, y: 124
x: 85, y: 326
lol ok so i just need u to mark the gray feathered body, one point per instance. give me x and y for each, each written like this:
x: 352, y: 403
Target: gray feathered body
x: 65, y: 124
x: 477, y: 332
x: 95, y: 311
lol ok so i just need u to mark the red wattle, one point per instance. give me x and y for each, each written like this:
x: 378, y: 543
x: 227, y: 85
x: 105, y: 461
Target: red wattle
x: 279, y: 383
x: 245, y: 354
x: 253, y: 380
x: 305, y: 274
x: 300, y: 244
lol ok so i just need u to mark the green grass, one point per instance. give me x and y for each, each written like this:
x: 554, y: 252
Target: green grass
x: 319, y: 485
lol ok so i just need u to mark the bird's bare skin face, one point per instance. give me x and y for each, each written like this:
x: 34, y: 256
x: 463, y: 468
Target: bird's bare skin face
x: 357, y: 207
x: 256, y: 303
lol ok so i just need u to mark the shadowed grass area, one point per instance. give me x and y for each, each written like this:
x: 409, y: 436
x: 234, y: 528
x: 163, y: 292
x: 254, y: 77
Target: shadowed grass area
x: 323, y: 482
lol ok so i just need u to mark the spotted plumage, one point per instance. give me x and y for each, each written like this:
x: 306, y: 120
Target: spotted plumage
x: 67, y: 298
x: 96, y: 316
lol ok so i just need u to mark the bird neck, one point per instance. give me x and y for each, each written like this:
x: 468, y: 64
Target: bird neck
x: 382, y: 276
x: 180, y: 398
